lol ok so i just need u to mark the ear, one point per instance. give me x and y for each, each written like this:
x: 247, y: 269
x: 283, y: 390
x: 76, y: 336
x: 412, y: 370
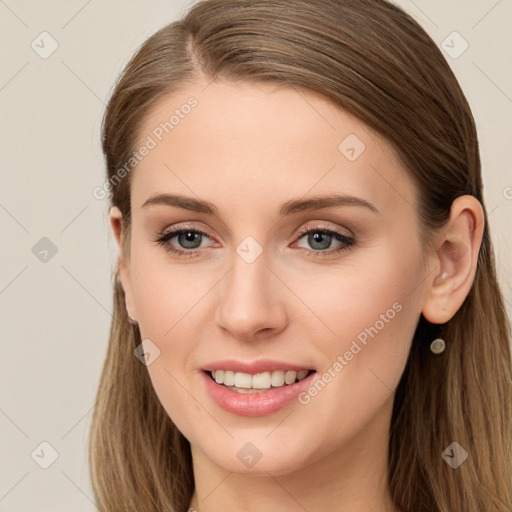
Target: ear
x: 455, y: 260
x: 123, y: 269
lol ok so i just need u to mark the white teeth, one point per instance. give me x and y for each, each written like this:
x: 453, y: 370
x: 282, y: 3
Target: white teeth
x: 277, y: 379
x: 290, y: 377
x: 219, y: 376
x: 264, y: 380
x: 261, y: 380
x: 243, y: 380
x: 229, y: 378
x: 302, y: 374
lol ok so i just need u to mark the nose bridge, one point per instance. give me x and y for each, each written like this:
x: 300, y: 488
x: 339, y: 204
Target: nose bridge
x: 250, y: 275
x: 249, y: 298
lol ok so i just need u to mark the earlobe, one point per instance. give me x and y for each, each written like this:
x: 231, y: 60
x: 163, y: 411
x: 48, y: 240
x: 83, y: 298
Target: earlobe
x: 123, y: 269
x: 454, y: 261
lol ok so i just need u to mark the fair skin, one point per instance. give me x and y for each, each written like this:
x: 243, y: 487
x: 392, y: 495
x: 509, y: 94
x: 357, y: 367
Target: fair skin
x: 248, y: 148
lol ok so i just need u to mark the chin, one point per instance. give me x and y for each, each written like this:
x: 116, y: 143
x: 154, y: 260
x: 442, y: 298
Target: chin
x: 248, y: 459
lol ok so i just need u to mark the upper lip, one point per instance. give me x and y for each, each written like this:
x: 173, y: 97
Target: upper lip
x: 259, y: 366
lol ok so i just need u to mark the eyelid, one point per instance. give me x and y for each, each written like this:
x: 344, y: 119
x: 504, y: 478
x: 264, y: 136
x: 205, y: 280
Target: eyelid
x: 183, y: 227
x: 319, y: 224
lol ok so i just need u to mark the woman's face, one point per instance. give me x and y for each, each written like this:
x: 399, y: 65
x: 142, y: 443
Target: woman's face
x: 271, y: 281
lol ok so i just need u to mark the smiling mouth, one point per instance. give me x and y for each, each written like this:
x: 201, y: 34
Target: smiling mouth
x: 257, y: 383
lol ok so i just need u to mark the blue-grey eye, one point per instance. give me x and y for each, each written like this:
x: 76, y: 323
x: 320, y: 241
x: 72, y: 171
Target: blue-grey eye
x: 189, y: 239
x: 318, y: 237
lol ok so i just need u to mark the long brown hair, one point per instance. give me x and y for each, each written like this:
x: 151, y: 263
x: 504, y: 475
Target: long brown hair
x: 373, y: 60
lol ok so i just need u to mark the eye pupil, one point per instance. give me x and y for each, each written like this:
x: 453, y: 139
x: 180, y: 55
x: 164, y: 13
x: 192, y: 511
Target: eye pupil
x: 318, y: 237
x: 189, y: 237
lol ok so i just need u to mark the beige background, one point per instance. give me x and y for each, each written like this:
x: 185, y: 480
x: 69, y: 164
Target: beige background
x: 55, y: 315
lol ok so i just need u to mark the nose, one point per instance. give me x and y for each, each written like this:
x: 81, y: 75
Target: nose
x: 250, y: 304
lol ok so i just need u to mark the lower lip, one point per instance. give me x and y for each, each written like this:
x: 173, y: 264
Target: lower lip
x: 255, y: 404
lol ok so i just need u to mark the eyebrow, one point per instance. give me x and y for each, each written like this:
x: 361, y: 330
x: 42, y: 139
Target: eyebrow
x: 288, y: 208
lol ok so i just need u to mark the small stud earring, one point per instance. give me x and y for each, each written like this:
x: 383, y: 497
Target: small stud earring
x: 438, y: 346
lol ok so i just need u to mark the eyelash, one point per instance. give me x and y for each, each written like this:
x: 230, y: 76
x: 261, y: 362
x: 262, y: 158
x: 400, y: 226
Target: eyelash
x: 164, y: 237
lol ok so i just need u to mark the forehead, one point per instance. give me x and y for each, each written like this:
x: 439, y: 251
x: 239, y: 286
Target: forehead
x: 244, y: 142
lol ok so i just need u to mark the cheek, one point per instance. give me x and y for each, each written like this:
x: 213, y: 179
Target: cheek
x: 372, y: 309
x: 168, y: 298
x: 373, y: 293
x: 165, y: 292
x: 172, y: 389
